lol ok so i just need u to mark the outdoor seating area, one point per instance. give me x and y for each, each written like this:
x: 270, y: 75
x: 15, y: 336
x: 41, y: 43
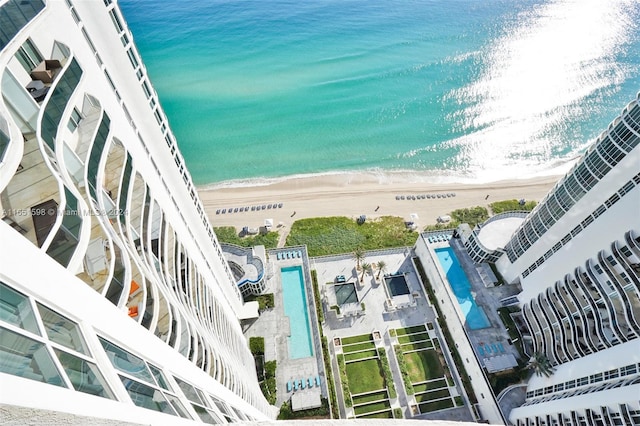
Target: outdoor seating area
x: 412, y: 197
x: 304, y: 383
x: 284, y: 255
x: 439, y: 238
x: 491, y: 349
x: 46, y: 70
x: 254, y: 208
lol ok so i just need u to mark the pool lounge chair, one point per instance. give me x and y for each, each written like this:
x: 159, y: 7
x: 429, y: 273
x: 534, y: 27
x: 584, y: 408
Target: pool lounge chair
x: 317, y: 381
x: 296, y: 384
x: 480, y: 350
x: 299, y: 254
x: 289, y: 386
x: 501, y: 347
x: 495, y: 348
x: 310, y: 382
x: 488, y: 349
x: 278, y: 255
x: 303, y: 383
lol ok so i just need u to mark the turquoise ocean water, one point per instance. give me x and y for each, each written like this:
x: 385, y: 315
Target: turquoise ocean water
x: 467, y: 89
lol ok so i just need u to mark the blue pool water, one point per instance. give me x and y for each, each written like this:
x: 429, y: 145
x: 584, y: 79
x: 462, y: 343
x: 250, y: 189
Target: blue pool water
x: 476, y: 318
x: 295, y: 307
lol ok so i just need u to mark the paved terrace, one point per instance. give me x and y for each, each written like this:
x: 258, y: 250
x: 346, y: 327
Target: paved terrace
x: 375, y: 318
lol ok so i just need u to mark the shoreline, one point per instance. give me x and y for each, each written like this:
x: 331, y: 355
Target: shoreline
x: 354, y: 194
x: 384, y: 176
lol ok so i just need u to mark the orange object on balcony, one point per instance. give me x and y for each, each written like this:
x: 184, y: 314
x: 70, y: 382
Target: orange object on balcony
x: 133, y: 311
x: 134, y: 287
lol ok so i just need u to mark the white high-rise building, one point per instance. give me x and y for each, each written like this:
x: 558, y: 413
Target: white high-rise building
x: 577, y: 258
x: 115, y: 298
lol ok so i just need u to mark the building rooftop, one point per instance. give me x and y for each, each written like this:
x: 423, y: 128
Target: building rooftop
x: 496, y: 234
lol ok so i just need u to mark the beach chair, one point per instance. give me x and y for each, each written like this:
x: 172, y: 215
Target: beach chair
x: 501, y: 347
x: 296, y: 384
x: 310, y: 382
x: 495, y: 348
x: 480, y: 350
x: 299, y: 254
x: 317, y: 381
x: 289, y: 386
x: 303, y: 383
x: 278, y: 255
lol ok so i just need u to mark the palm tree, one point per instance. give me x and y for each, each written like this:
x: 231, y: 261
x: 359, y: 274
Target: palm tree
x: 358, y: 255
x: 541, y: 364
x: 365, y: 268
x: 382, y: 266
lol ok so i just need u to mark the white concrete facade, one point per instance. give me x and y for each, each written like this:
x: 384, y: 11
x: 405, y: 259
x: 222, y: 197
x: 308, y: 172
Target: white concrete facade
x: 577, y: 258
x: 104, y: 232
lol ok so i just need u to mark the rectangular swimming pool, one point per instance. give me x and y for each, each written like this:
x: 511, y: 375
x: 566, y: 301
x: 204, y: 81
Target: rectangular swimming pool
x: 474, y: 314
x: 295, y: 307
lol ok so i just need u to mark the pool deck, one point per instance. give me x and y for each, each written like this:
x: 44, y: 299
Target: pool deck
x: 468, y: 340
x: 274, y: 326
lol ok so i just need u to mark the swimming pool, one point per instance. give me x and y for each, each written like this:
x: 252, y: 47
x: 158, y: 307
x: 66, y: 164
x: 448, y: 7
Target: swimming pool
x: 295, y: 307
x: 474, y: 314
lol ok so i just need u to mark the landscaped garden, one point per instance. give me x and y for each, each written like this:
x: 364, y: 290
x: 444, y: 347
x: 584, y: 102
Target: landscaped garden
x: 367, y: 383
x: 424, y: 370
x: 229, y: 235
x: 335, y: 235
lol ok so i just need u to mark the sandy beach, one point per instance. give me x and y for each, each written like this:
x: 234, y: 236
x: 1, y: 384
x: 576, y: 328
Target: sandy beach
x: 355, y: 194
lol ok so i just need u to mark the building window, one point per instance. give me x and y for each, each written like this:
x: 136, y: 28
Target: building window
x: 28, y: 56
x: 16, y: 309
x: 28, y: 358
x: 155, y: 394
x: 62, y: 330
x: 74, y: 120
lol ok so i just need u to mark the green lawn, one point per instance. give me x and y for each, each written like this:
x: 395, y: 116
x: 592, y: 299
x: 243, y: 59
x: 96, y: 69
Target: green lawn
x: 376, y: 406
x: 358, y: 347
x: 229, y: 234
x: 409, y: 330
x: 413, y: 337
x: 335, y: 235
x: 360, y: 355
x: 436, y: 405
x: 364, y: 376
x: 511, y: 205
x: 357, y: 339
x: 436, y: 384
x: 375, y: 396
x: 430, y: 396
x: 382, y: 415
x: 423, y: 365
x: 418, y: 345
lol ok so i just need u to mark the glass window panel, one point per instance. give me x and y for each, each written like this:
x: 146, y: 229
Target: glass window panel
x: 25, y: 357
x: 162, y: 382
x: 147, y: 397
x: 189, y: 392
x: 62, y: 330
x: 84, y: 376
x: 177, y: 405
x: 205, y: 415
x: 16, y: 309
x: 126, y: 362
